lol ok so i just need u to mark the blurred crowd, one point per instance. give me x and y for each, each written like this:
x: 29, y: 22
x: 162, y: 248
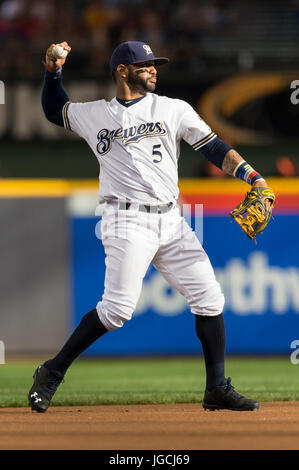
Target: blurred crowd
x: 94, y: 27
x: 195, y: 34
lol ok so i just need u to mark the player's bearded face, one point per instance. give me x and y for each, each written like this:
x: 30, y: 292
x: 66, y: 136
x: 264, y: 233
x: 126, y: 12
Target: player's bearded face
x: 141, y: 78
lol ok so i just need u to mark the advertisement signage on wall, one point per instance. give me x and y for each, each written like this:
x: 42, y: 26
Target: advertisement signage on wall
x: 260, y: 284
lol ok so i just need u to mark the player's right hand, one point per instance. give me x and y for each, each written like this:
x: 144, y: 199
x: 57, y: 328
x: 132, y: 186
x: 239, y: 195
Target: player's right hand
x: 52, y: 63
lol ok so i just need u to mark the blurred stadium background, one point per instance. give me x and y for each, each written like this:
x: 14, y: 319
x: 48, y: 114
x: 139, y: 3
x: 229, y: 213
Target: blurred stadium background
x: 234, y: 61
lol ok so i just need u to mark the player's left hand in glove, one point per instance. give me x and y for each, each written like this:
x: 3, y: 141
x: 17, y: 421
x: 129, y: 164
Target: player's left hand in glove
x: 255, y: 211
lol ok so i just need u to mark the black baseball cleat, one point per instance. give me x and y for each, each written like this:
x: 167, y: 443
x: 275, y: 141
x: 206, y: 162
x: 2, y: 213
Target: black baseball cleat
x: 224, y: 397
x: 44, y: 386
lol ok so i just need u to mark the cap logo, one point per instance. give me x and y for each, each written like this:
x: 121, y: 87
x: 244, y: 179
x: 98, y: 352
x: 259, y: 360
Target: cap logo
x: 147, y: 49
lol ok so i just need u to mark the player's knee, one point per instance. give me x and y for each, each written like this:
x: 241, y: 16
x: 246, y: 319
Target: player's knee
x: 114, y: 315
x: 209, y: 303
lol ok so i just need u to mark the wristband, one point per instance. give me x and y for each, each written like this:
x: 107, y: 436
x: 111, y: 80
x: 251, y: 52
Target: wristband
x: 53, y: 71
x: 50, y: 70
x: 245, y: 172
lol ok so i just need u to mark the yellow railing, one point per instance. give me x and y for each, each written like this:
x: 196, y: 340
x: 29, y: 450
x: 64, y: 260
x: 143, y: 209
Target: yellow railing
x: 63, y: 188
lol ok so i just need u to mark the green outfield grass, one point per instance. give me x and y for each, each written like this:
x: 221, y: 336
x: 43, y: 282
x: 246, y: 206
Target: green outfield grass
x: 132, y: 381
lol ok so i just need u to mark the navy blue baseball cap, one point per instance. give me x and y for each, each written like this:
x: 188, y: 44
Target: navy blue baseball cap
x: 134, y: 52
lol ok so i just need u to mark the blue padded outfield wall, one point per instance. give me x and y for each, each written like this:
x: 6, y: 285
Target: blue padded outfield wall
x: 260, y: 283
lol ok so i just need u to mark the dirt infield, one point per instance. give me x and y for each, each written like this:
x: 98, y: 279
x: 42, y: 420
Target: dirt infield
x: 183, y: 426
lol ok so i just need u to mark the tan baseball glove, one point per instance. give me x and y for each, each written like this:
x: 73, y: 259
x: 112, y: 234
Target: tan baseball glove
x: 254, y: 212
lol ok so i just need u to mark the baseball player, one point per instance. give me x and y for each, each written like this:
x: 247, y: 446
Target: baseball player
x: 136, y: 138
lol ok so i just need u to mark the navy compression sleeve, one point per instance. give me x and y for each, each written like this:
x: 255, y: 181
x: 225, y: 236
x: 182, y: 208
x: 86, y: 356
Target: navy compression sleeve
x: 215, y: 151
x: 54, y: 97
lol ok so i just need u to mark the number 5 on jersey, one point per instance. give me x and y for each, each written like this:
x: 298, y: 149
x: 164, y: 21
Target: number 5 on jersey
x: 156, y: 153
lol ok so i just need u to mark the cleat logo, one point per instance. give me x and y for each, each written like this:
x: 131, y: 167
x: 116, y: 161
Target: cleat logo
x: 35, y: 395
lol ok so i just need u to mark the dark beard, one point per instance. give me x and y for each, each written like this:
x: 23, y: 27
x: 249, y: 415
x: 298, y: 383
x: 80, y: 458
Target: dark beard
x: 137, y: 84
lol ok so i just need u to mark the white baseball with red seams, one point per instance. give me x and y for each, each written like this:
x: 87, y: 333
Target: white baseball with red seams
x: 138, y: 148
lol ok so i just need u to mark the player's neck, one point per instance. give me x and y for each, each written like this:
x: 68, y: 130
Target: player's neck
x: 128, y: 96
x: 125, y: 93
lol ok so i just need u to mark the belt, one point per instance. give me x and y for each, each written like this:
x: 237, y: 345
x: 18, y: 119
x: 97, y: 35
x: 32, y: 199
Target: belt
x: 160, y: 209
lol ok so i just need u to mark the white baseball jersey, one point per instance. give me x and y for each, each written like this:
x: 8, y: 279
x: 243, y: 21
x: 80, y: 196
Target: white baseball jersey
x: 138, y: 146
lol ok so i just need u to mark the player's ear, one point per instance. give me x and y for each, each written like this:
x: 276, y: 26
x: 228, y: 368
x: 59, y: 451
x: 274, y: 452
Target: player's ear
x: 122, y: 70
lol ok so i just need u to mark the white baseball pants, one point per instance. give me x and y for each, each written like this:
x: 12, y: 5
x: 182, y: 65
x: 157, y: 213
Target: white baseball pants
x: 132, y: 240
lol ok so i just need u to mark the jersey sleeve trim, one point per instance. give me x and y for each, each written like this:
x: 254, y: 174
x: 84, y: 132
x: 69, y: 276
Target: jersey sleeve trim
x: 204, y: 141
x: 66, y: 121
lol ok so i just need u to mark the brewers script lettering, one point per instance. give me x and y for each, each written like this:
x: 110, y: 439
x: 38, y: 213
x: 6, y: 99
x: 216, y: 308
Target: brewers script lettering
x: 130, y: 135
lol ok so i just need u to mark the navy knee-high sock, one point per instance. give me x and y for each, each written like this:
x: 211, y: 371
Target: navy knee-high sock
x: 211, y: 333
x: 87, y: 332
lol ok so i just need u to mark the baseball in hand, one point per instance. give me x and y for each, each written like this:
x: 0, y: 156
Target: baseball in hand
x: 59, y: 52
